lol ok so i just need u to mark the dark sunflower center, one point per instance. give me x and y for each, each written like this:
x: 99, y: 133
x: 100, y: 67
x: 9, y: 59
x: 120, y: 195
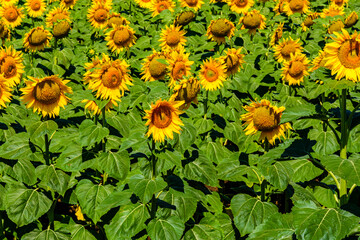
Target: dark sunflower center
x: 349, y: 54
x: 11, y: 14
x: 111, y: 78
x: 173, y: 38
x: 265, y: 119
x: 162, y: 116
x: 61, y: 29
x: 241, y: 3
x: 38, y: 37
x: 192, y: 3
x: 185, y: 18
x: 308, y: 21
x: 47, y: 92
x: 179, y: 70
x: 336, y: 26
x: 220, y: 28
x: 156, y: 68
x: 121, y: 36
x: 117, y: 21
x: 100, y: 15
x: 296, y: 69
x: 296, y: 5
x: 8, y: 67
x: 287, y: 50
x: 339, y: 2
x: 252, y: 21
x: 58, y: 17
x: 351, y: 20
x: 211, y: 74
x: 162, y: 6
x: 69, y: 1
x: 35, y: 5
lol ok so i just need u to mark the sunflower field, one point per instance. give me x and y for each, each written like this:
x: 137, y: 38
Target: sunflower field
x: 179, y: 119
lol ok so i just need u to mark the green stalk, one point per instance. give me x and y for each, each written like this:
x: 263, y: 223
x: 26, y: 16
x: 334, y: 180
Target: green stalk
x: 206, y: 103
x: 104, y: 125
x: 343, y: 144
x: 264, y: 183
x: 153, y: 164
x: 47, y: 151
x: 51, y: 214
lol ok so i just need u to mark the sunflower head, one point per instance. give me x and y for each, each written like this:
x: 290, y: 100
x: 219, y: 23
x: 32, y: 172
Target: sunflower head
x: 212, y: 74
x: 279, y: 7
x: 98, y: 15
x: 57, y: 14
x: 117, y: 20
x: 277, y: 35
x: 351, y: 20
x: 318, y: 61
x: 61, y: 28
x: 11, y: 15
x: 219, y: 29
x: 332, y: 11
x: 240, y: 6
x: 336, y: 26
x: 68, y: 3
x: 35, y: 8
x: 5, y: 92
x: 179, y: 66
x: 295, y: 69
x: 296, y: 6
x: 264, y: 117
x: 120, y: 37
x: 163, y: 119
x: 339, y: 3
x: 308, y: 22
x: 4, y: 31
x: 285, y: 48
x: 252, y: 21
x: 172, y: 38
x: 160, y: 5
x: 37, y: 39
x: 94, y: 109
x: 193, y: 4
x: 184, y: 18
x: 187, y: 91
x: 233, y: 60
x: 11, y: 66
x: 144, y: 3
x: 153, y: 67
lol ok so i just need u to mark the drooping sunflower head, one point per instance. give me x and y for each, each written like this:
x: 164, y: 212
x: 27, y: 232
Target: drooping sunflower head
x: 11, y: 15
x: 157, y: 6
x: 296, y: 6
x: 94, y: 109
x: 163, y: 119
x: 277, y: 35
x: 154, y: 67
x: 295, y: 69
x: 90, y: 68
x: 55, y: 15
x: 46, y: 95
x: 4, y: 31
x: 61, y: 28
x: 351, y: 20
x: 219, y: 29
x: 35, y: 8
x: 319, y: 61
x: 5, y: 92
x: 110, y: 79
x: 336, y: 26
x: 332, y: 11
x: 68, y: 3
x: 117, y: 20
x: 339, y: 3
x: 172, y: 38
x: 98, y: 15
x: 285, y: 48
x: 193, y: 4
x: 120, y: 37
x: 212, y: 74
x: 279, y: 7
x: 264, y: 117
x: 187, y: 91
x: 179, y: 66
x: 11, y: 66
x: 308, y: 22
x: 233, y: 60
x: 252, y: 21
x: 240, y: 6
x: 343, y: 56
x: 37, y: 39
x: 144, y: 3
x: 184, y: 18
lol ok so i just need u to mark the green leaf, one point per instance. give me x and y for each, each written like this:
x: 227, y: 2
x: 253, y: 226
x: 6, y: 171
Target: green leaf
x: 120, y: 123
x: 296, y: 112
x: 90, y: 197
x: 215, y: 152
x: 78, y: 232
x: 40, y: 128
x: 91, y: 133
x: 326, y: 142
x: 235, y: 133
x: 23, y: 205
x: 56, y: 180
x: 202, y: 232
x: 16, y: 147
x: 304, y: 170
x: 116, y: 199
x: 187, y: 136
x: 202, y: 170
x: 278, y: 174
x: 167, y: 160
x: 250, y: 212
x: 325, y: 196
x: 213, y: 203
x: 302, y: 194
x: 170, y: 228
x: 117, y: 165
x: 128, y: 221
x: 70, y: 159
x: 203, y: 125
x: 232, y: 171
x: 144, y: 188
x: 47, y: 234
x: 25, y: 172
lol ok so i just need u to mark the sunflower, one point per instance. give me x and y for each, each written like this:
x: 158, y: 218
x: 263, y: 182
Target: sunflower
x: 61, y: 28
x: 90, y: 67
x: 4, y: 31
x: 184, y: 18
x: 56, y: 15
x: 219, y: 29
x: 8, y: 2
x: 68, y: 3
x: 94, y: 108
x: 212, y: 74
x: 157, y: 6
x: 187, y: 91
x: 309, y: 21
x: 117, y: 20
x: 279, y: 7
x: 179, y: 66
x: 263, y: 116
x: 172, y: 38
x: 35, y: 8
x: 98, y: 15
x: 277, y: 35
x: 193, y: 4
x: 37, y: 39
x: 11, y: 67
x: 5, y: 92
x: 296, y: 6
x: 163, y: 119
x: 351, y: 20
x: 153, y: 69
x: 332, y: 11
x: 252, y: 21
x: 318, y: 61
x: 343, y: 56
x: 339, y: 3
x: 144, y: 3
x: 120, y: 37
x: 240, y: 6
x: 11, y: 15
x: 336, y: 26
x: 46, y: 95
x: 295, y: 69
x: 285, y: 48
x: 233, y: 60
x: 110, y: 79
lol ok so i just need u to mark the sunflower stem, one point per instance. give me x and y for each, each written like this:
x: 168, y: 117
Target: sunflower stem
x: 206, y: 103
x: 343, y: 144
x: 263, y: 190
x: 153, y: 165
x: 104, y: 125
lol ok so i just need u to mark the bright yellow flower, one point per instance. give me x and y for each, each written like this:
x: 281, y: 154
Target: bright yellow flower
x: 193, y: 4
x: 172, y: 38
x: 98, y: 15
x: 212, y: 74
x: 277, y: 35
x: 160, y: 5
x: 94, y: 108
x: 295, y: 69
x: 179, y: 66
x: 11, y: 15
x: 219, y: 29
x: 11, y: 66
x: 56, y: 15
x: 120, y: 37
x: 5, y: 92
x: 37, y: 39
x: 35, y: 8
x: 252, y: 21
x: 233, y: 60
x: 153, y: 68
x: 285, y: 48
x: 240, y: 6
x: 187, y: 91
x: 296, y: 6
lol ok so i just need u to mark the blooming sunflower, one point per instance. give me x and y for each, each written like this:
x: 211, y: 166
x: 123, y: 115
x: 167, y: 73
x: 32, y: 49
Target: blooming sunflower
x: 219, y: 29
x: 187, y: 91
x: 94, y: 108
x: 240, y: 6
x: 233, y: 60
x: 285, y: 48
x: 144, y: 3
x: 193, y: 4
x: 351, y: 20
x: 264, y: 117
x: 277, y: 35
x: 343, y: 56
x: 339, y: 3
x: 68, y: 3
x: 120, y: 37
x: 56, y: 15
x: 11, y: 15
x: 11, y: 67
x: 184, y: 18
x: 35, y: 8
x: 318, y: 61
x: 117, y: 20
x: 157, y: 6
x: 46, y: 95
x: 110, y: 79
x: 179, y: 66
x: 98, y: 15
x: 295, y: 69
x: 152, y: 68
x: 332, y: 11
x: 90, y: 67
x: 172, y: 38
x: 296, y: 6
x: 163, y: 119
x: 279, y: 7
x: 61, y: 28
x: 5, y: 92
x: 309, y: 21
x: 252, y: 21
x: 336, y: 26
x: 37, y: 39
x: 8, y: 2
x: 212, y: 74
x: 4, y: 31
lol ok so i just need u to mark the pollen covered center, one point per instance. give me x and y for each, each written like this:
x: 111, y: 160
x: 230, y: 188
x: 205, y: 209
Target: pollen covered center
x: 58, y: 17
x: 162, y: 116
x: 211, y: 74
x: 287, y: 50
x: 156, y: 68
x: 296, y: 5
x: 8, y: 67
x: 162, y: 6
x: 296, y: 69
x: 192, y: 3
x: 220, y: 28
x: 265, y: 118
x: 38, y: 37
x: 11, y: 14
x: 121, y: 36
x: 111, y: 78
x: 61, y: 29
x: 252, y: 21
x: 100, y: 15
x: 241, y: 3
x: 35, y: 5
x: 47, y: 92
x: 179, y: 70
x: 173, y: 38
x: 349, y: 54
